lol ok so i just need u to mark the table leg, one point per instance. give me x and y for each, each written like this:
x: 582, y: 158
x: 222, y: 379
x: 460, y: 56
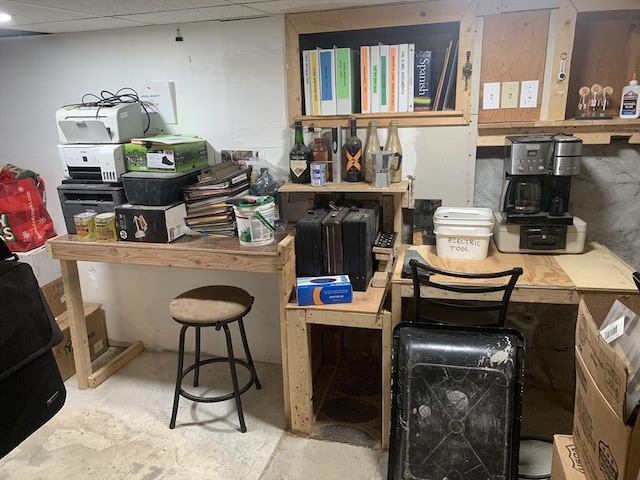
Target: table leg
x: 387, y: 344
x: 77, y: 322
x: 300, y: 376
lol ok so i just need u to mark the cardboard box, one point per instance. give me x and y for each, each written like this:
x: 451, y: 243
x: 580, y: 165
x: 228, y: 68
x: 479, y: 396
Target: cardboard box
x: 565, y: 464
x: 608, y: 448
x: 150, y: 223
x: 96, y: 334
x: 44, y: 268
x: 166, y: 153
x: 601, y: 360
x: 324, y: 290
x: 55, y: 297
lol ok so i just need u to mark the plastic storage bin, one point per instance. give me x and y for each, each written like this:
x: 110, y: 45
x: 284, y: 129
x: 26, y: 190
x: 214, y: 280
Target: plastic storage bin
x: 463, y: 233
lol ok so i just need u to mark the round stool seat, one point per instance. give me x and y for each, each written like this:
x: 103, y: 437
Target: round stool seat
x: 210, y: 304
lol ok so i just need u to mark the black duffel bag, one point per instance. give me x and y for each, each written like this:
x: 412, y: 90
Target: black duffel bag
x: 31, y: 388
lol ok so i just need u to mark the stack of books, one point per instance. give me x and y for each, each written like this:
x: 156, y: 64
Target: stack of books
x: 209, y: 202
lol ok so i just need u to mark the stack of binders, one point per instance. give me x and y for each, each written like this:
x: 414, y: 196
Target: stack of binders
x: 209, y: 209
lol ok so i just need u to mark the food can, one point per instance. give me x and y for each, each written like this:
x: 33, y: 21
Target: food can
x: 85, y: 226
x: 106, y: 227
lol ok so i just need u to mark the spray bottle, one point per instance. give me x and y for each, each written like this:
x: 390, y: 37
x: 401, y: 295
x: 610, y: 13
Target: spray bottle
x: 630, y: 102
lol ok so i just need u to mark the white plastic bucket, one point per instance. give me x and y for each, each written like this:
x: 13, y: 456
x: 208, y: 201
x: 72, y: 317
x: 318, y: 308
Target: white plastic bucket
x: 255, y: 218
x: 463, y: 233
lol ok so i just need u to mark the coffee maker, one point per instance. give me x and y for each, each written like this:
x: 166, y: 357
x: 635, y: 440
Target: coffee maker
x: 534, y: 215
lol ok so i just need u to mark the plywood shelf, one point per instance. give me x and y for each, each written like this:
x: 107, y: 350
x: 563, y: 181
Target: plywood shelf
x: 412, y: 119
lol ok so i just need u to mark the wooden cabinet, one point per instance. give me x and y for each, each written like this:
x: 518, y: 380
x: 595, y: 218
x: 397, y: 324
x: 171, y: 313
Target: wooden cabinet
x: 590, y: 41
x: 430, y: 24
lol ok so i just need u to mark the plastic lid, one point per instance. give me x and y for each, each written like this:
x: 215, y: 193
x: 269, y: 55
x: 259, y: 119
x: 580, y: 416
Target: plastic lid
x: 634, y: 79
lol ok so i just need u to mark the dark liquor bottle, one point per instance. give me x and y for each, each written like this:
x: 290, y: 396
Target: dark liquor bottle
x: 300, y: 157
x: 353, y: 155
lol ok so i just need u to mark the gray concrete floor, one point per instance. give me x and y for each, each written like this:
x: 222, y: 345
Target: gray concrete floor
x: 120, y: 431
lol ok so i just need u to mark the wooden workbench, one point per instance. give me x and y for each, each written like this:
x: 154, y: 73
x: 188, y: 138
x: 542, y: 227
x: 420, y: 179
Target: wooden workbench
x: 214, y: 253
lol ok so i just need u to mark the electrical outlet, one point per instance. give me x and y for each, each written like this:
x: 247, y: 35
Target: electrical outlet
x: 529, y: 94
x: 491, y: 96
x: 509, y: 98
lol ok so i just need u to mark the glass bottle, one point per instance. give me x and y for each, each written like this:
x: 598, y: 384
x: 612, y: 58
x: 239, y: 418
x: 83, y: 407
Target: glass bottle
x: 393, y: 145
x: 300, y: 157
x: 353, y: 155
x: 321, y: 155
x: 372, y: 146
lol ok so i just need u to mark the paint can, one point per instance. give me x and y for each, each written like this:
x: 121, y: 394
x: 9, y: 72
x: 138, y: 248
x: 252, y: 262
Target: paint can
x: 85, y: 226
x: 106, y: 227
x: 255, y: 217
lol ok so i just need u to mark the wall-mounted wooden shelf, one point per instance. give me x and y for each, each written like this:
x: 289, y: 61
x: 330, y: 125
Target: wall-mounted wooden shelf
x: 412, y: 119
x: 590, y: 131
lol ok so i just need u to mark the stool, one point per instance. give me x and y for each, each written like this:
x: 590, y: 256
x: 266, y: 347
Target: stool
x: 213, y: 306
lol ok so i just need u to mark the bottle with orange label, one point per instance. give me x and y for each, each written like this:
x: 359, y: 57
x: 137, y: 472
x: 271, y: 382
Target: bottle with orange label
x: 353, y: 155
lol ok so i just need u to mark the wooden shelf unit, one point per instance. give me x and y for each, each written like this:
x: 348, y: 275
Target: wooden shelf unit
x: 600, y: 42
x: 300, y: 29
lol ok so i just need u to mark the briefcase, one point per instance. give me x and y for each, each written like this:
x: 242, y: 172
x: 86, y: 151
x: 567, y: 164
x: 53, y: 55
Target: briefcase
x: 332, y: 263
x: 358, y: 236
x: 309, y: 244
x: 31, y: 388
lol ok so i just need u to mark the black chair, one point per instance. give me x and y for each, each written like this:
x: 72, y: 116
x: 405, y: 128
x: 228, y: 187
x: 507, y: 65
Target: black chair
x: 472, y: 310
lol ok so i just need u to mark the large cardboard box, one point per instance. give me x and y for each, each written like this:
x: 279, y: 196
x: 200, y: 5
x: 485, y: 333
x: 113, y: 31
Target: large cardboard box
x: 608, y: 448
x: 565, y: 464
x: 96, y: 328
x: 96, y: 334
x: 44, y: 268
x: 150, y: 223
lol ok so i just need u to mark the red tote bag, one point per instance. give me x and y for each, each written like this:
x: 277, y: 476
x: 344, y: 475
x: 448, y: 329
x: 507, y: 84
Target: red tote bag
x: 25, y: 223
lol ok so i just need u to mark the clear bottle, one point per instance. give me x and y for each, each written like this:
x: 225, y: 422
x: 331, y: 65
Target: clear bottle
x: 630, y: 102
x: 372, y: 146
x: 300, y: 157
x: 353, y: 155
x: 393, y: 145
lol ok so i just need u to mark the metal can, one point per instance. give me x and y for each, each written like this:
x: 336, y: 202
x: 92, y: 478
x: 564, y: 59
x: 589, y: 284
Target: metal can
x: 106, y: 227
x: 85, y: 226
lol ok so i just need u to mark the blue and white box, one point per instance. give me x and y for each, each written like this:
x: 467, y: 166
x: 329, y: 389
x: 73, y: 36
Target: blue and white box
x: 324, y: 290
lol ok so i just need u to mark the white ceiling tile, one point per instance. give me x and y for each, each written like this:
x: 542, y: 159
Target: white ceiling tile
x: 196, y: 15
x: 299, y: 6
x: 125, y: 7
x: 27, y: 14
x: 97, y: 23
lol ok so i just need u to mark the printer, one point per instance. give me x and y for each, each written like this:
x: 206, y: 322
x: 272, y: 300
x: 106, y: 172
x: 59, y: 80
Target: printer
x: 102, y: 163
x: 112, y: 123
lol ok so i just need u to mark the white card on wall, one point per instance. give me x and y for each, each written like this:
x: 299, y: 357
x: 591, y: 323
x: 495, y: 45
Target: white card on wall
x: 529, y: 94
x: 491, y: 96
x: 159, y: 99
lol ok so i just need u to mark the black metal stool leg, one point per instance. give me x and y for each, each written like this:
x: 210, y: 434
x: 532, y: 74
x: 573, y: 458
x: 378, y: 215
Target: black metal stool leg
x: 234, y: 377
x: 176, y: 396
x: 245, y: 344
x: 196, y: 373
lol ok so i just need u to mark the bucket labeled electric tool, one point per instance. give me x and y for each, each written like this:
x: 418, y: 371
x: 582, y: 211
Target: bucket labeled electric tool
x: 255, y: 218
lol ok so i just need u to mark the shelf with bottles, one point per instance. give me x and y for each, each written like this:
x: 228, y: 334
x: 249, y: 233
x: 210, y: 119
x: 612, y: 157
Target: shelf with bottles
x: 428, y: 25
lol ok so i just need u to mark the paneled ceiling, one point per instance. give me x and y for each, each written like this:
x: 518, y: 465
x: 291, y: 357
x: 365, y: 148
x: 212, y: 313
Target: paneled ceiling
x: 64, y: 16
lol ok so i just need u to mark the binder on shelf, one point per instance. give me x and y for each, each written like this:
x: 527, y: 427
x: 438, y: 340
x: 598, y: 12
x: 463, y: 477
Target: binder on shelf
x: 393, y: 78
x: 411, y: 56
x: 365, y: 88
x: 384, y: 78
x: 347, y: 77
x: 306, y: 82
x: 403, y: 77
x: 422, y: 90
x: 374, y: 76
x: 327, y: 66
x: 315, y: 82
x: 449, y: 101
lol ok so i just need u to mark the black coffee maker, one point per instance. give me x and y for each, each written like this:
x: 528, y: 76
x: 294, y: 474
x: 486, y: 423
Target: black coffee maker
x: 537, y: 182
x: 535, y: 196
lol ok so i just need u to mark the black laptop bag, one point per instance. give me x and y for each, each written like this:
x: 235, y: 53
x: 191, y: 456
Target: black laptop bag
x: 31, y: 388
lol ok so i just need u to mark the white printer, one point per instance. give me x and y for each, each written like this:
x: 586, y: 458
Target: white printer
x: 117, y: 123
x: 103, y: 163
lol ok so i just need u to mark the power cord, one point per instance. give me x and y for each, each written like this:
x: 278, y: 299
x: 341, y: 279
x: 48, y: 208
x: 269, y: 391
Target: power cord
x: 109, y: 99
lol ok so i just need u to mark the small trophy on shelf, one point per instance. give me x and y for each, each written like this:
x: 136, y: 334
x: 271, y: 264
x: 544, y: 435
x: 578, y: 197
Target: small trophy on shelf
x: 593, y: 102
